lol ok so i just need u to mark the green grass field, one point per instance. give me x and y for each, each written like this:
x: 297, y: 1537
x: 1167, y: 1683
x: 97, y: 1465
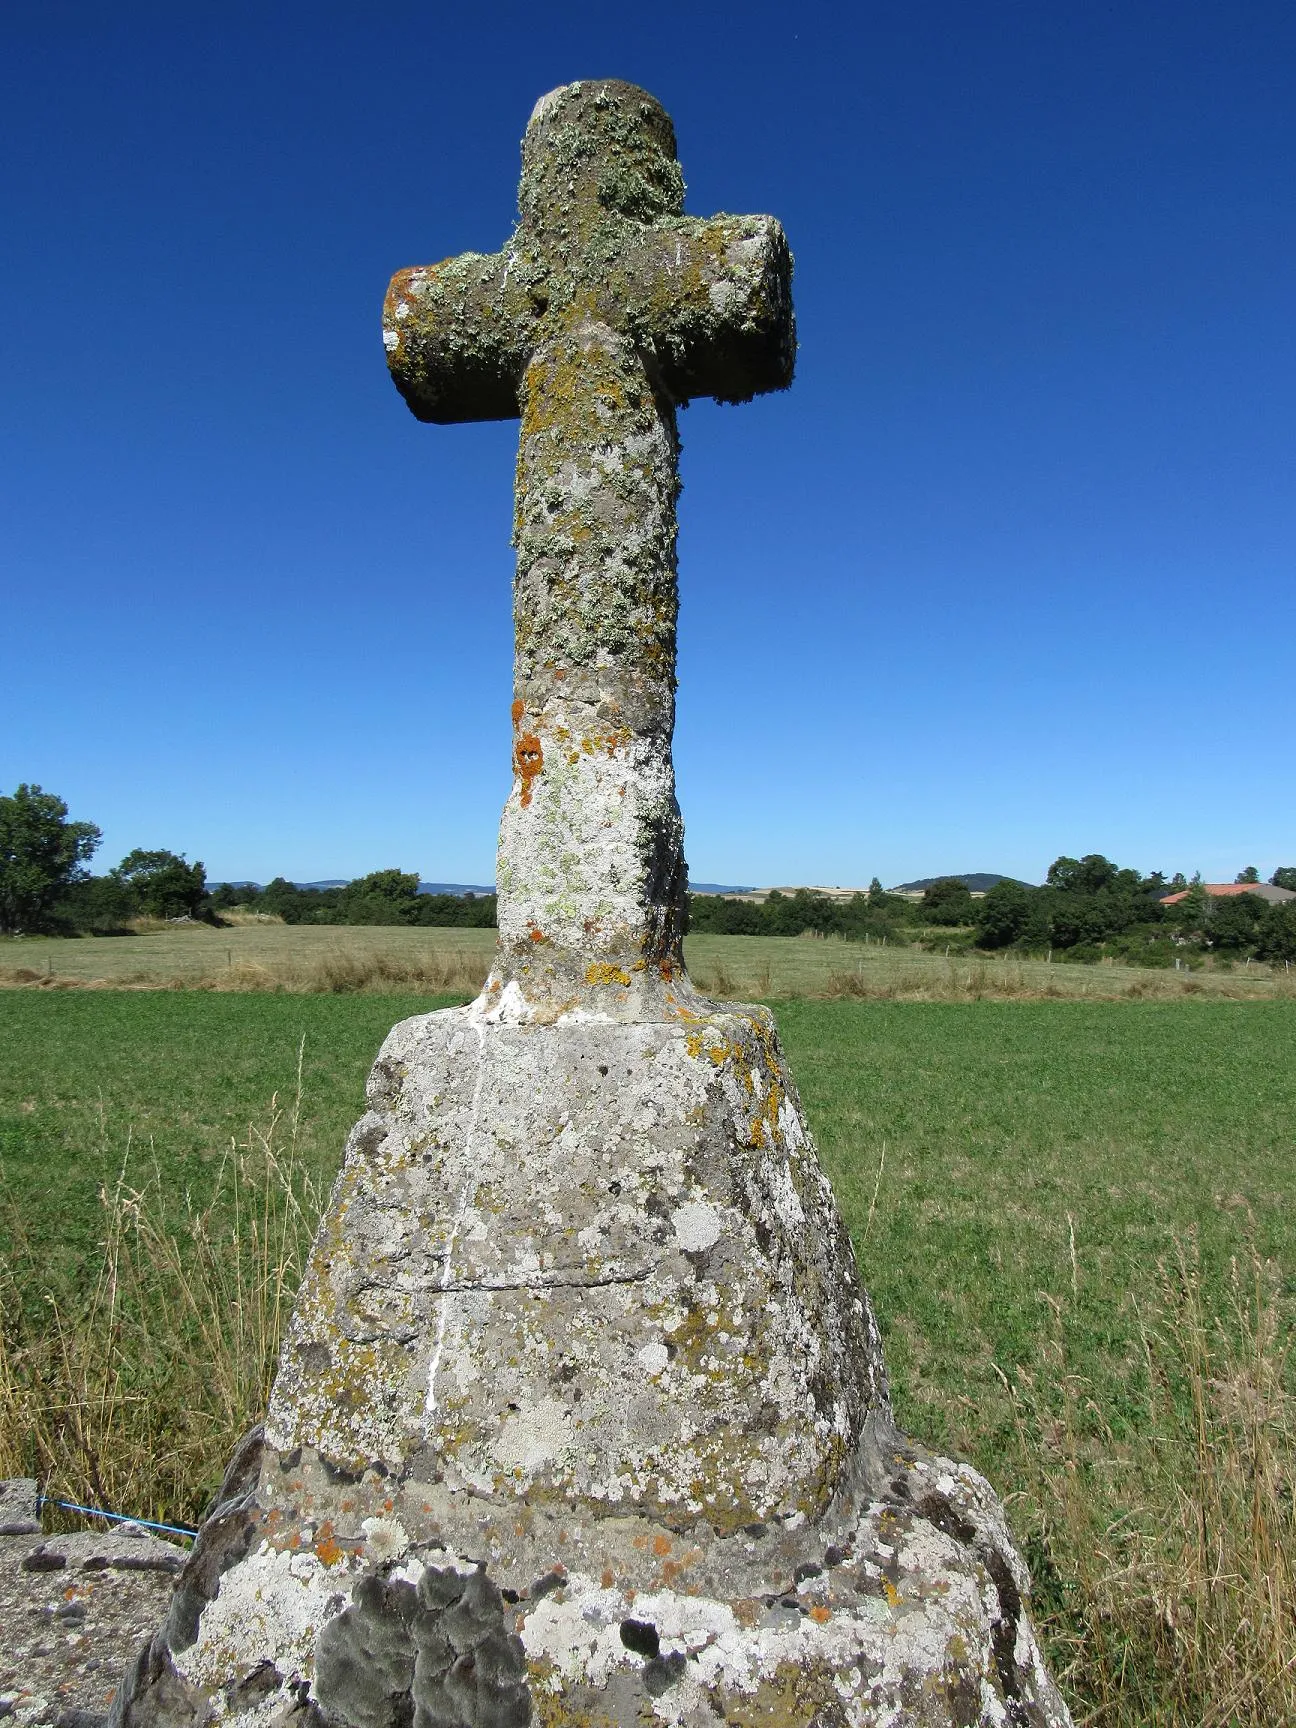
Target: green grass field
x: 1014, y: 1175
x: 1003, y: 1131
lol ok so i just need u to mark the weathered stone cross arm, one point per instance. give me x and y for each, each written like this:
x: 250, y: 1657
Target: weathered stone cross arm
x: 603, y: 236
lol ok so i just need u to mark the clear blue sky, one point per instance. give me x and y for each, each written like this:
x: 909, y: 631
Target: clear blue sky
x: 1007, y: 573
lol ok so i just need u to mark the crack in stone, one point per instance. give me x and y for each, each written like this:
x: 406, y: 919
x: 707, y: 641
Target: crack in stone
x: 552, y: 1281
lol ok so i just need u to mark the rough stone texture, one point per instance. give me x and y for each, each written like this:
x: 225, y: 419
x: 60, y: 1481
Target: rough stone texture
x: 73, y: 1609
x: 606, y: 310
x: 582, y: 1416
x: 582, y: 1419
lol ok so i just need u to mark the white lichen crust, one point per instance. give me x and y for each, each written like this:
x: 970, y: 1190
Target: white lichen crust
x: 582, y: 1349
x: 585, y: 1262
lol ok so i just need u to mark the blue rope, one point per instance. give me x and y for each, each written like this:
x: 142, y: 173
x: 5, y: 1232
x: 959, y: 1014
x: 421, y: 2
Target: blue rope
x: 116, y: 1517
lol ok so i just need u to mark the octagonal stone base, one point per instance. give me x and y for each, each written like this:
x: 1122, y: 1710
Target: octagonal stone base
x: 582, y: 1418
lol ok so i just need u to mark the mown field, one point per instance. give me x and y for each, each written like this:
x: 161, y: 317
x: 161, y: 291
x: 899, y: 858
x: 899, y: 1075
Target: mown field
x: 250, y: 956
x: 1075, y: 1219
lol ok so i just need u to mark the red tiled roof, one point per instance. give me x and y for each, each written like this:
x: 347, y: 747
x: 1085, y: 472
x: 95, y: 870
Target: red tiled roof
x: 1217, y: 891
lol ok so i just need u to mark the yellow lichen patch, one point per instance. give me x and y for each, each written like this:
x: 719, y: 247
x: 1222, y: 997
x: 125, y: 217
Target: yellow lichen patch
x: 717, y: 1050
x: 604, y: 972
x: 550, y: 1708
x: 764, y: 1130
x: 789, y: 1698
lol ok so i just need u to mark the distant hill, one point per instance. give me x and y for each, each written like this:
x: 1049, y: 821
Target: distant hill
x: 977, y: 881
x: 717, y: 888
x: 341, y: 882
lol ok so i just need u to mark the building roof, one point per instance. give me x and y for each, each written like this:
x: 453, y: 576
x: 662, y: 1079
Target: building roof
x: 1221, y: 891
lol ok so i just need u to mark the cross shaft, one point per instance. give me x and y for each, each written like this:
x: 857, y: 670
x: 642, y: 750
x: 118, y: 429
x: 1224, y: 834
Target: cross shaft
x: 607, y: 309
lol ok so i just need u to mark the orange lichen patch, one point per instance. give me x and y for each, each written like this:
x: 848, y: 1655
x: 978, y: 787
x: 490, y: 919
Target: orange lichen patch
x: 603, y: 972
x: 528, y: 760
x: 517, y: 710
x: 820, y: 1615
x: 536, y: 934
x: 608, y: 1578
x: 661, y: 1545
x: 330, y: 1551
x: 891, y: 1593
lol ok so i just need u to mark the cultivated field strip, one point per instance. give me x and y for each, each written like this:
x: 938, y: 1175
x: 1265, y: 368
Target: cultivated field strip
x: 343, y: 959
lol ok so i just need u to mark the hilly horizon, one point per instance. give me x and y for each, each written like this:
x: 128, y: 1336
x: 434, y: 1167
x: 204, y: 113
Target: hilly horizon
x: 975, y: 881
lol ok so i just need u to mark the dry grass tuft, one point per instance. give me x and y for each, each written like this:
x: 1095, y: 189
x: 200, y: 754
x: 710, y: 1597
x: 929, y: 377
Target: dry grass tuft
x: 336, y: 972
x: 341, y: 973
x: 131, y: 1391
x: 1164, y: 1525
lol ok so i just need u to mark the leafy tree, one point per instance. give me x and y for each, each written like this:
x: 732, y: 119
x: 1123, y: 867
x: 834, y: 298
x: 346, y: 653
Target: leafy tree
x: 1277, y: 938
x: 97, y: 906
x: 41, y: 855
x: 1249, y: 875
x: 1234, y: 922
x: 1194, y: 911
x: 725, y: 917
x: 1003, y: 915
x: 386, y: 884
x: 1081, y: 875
x: 894, y: 905
x: 382, y: 897
x: 1284, y: 877
x: 947, y: 901
x: 162, y: 884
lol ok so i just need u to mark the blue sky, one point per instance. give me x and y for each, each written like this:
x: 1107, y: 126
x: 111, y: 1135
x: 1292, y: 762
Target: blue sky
x: 1007, y: 573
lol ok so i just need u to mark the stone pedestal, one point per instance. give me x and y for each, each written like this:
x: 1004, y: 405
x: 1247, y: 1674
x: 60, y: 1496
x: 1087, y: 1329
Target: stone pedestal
x: 583, y: 1419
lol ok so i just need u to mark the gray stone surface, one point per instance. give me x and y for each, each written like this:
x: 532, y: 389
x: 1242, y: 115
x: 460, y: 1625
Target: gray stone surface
x: 73, y: 1610
x: 19, y: 1506
x: 582, y: 1416
x: 605, y: 310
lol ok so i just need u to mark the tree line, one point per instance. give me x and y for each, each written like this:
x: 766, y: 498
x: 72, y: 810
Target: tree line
x: 382, y: 897
x: 1086, y: 909
x: 46, y: 886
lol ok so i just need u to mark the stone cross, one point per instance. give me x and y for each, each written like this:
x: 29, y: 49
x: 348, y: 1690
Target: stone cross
x: 606, y: 310
x: 582, y: 1415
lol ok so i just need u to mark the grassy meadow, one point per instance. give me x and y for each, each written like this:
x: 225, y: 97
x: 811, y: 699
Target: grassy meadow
x: 1074, y: 1216
x: 262, y: 954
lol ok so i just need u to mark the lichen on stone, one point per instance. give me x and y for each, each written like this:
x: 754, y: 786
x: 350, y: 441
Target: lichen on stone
x: 606, y: 308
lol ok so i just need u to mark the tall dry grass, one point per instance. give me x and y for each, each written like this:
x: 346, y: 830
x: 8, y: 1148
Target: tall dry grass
x: 1160, y: 1506
x: 336, y: 972
x: 129, y: 1390
x: 980, y: 980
